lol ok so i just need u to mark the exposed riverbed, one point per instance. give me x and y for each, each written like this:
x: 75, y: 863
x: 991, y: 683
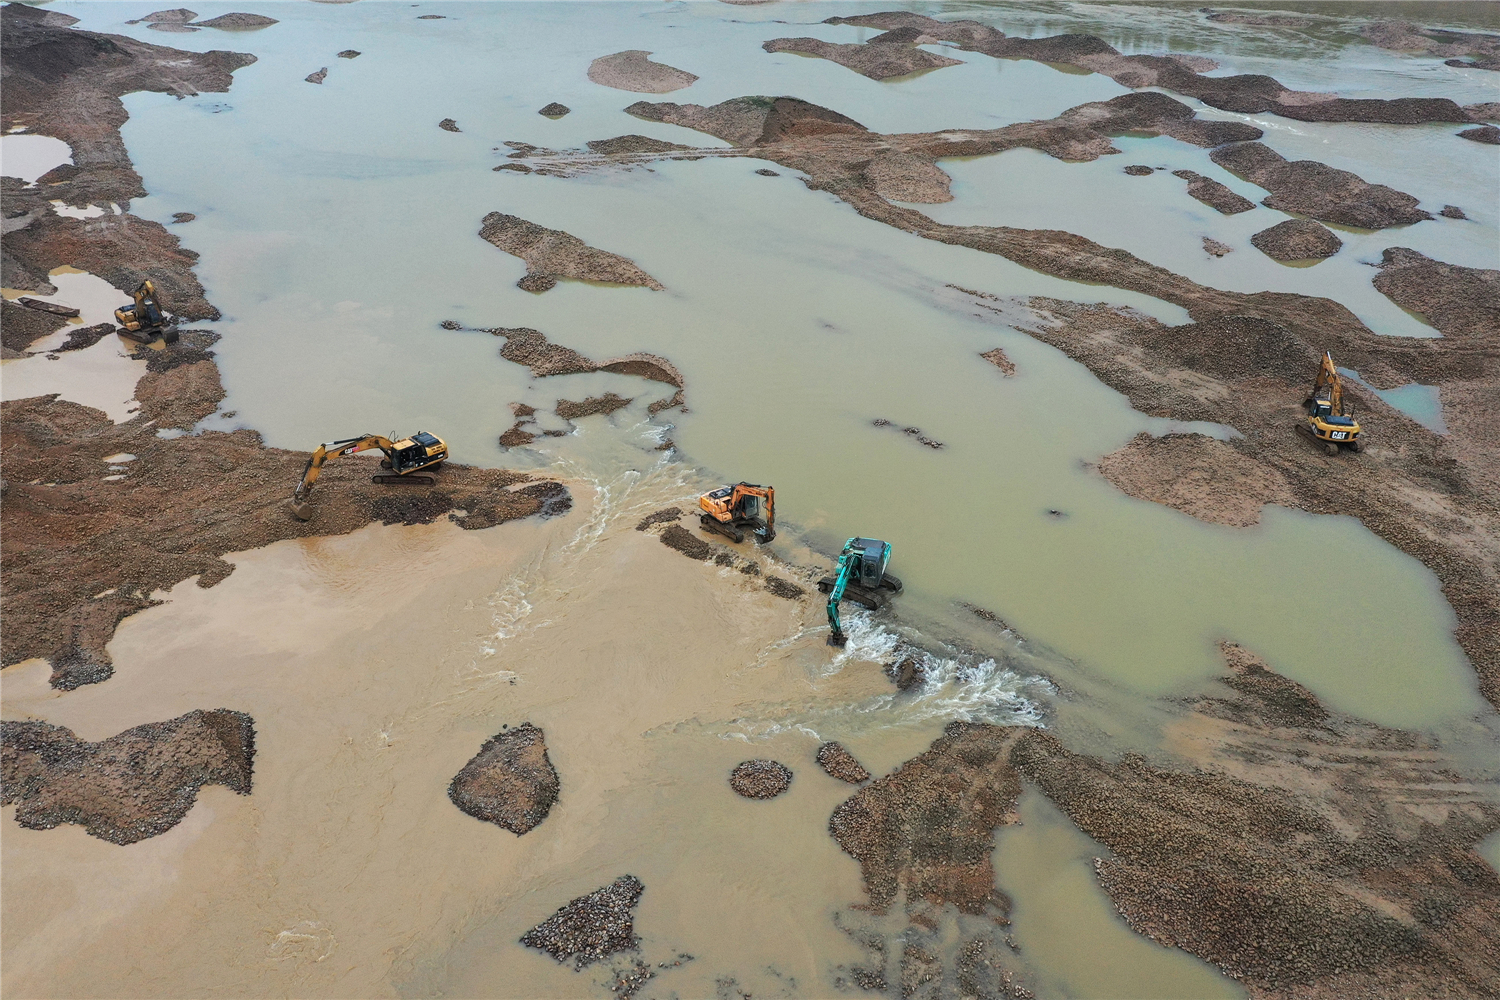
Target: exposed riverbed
x: 338, y: 224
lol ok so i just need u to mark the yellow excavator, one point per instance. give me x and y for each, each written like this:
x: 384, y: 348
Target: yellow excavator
x: 1327, y: 420
x: 731, y: 509
x: 403, y: 460
x: 146, y: 321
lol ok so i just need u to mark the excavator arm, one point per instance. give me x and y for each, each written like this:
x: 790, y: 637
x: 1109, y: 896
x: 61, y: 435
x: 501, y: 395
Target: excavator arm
x: 766, y: 493
x: 848, y: 562
x: 322, y: 454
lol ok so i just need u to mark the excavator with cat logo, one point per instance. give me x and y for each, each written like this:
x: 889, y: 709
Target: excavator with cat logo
x: 403, y: 461
x: 861, y: 578
x: 146, y: 321
x: 1327, y: 421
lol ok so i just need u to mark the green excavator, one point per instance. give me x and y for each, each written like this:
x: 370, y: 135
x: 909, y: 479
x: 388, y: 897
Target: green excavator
x: 861, y: 578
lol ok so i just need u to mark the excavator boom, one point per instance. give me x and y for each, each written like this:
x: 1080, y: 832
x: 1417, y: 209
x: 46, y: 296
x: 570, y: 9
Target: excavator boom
x: 1328, y: 422
x: 403, y: 458
x: 860, y: 576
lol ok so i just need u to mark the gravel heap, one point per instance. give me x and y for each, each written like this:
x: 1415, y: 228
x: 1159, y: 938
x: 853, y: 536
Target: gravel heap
x: 593, y: 927
x: 760, y: 779
x: 840, y: 763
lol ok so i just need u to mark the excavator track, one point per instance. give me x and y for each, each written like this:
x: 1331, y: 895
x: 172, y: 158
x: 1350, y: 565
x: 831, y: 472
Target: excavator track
x: 718, y: 527
x: 412, y: 480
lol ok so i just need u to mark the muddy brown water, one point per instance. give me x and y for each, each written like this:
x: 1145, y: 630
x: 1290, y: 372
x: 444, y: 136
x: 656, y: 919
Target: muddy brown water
x: 376, y: 664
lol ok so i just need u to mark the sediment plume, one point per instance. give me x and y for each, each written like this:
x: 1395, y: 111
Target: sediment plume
x: 135, y: 785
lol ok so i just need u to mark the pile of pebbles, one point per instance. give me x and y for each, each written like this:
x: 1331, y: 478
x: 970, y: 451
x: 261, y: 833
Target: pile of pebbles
x: 593, y: 927
x: 760, y: 779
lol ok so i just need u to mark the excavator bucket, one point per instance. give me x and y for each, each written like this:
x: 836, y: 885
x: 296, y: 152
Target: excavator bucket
x: 303, y: 510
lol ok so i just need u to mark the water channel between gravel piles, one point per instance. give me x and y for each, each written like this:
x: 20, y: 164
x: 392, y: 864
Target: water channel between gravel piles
x: 337, y: 229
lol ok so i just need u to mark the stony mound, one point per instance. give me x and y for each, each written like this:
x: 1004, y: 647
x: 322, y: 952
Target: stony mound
x: 554, y: 110
x: 927, y: 828
x: 510, y: 782
x: 607, y: 403
x: 878, y: 62
x: 631, y: 70
x: 1306, y: 187
x: 760, y: 779
x: 997, y: 357
x: 237, y: 21
x: 624, y: 145
x: 132, y: 786
x: 784, y: 588
x: 1213, y: 194
x: 1297, y: 239
x: 593, y: 927
x: 841, y: 764
x: 660, y: 517
x: 684, y: 541
x: 551, y: 254
x: 1487, y: 134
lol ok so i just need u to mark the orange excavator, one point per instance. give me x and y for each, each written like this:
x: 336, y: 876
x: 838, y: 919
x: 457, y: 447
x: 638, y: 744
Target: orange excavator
x: 404, y: 459
x: 731, y: 509
x: 1327, y: 421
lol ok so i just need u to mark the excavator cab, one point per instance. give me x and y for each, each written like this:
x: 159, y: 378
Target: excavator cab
x: 729, y: 510
x: 416, y: 452
x: 861, y: 578
x: 1327, y: 420
x: 146, y: 321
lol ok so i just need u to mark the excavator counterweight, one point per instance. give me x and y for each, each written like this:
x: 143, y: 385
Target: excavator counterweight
x: 404, y: 461
x: 1328, y: 423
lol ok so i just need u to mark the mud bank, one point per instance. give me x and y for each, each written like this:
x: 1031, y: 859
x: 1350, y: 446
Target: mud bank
x: 1297, y: 239
x: 129, y: 787
x: 1278, y: 861
x: 1305, y: 853
x: 1213, y: 194
x: 1307, y: 187
x: 1246, y: 93
x: 632, y: 70
x: 531, y: 348
x: 892, y: 54
x: 67, y: 83
x: 82, y: 552
x: 551, y: 254
x: 1461, y: 48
